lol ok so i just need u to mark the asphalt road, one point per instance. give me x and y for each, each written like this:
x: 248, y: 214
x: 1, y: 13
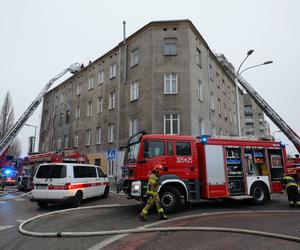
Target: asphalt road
x: 12, y: 212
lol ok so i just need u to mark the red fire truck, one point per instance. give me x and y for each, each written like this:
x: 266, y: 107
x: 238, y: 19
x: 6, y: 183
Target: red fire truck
x: 203, y: 168
x: 28, y: 169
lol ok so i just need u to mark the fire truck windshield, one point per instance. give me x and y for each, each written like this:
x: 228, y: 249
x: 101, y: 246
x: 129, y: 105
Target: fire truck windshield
x: 133, y: 151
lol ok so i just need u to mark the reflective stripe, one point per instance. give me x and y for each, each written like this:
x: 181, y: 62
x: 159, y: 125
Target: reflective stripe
x: 291, y: 184
x: 151, y: 192
x: 160, y: 210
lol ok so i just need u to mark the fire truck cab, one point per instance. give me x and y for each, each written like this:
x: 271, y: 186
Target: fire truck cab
x: 203, y: 168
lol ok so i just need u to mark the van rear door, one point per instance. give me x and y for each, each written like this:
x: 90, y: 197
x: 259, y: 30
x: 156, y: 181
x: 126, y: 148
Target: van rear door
x: 56, y: 180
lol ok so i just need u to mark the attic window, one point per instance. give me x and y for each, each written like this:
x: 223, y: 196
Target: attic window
x: 175, y: 29
x: 165, y: 29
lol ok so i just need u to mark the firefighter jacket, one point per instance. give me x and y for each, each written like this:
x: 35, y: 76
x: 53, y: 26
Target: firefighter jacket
x: 288, y: 181
x: 153, y: 185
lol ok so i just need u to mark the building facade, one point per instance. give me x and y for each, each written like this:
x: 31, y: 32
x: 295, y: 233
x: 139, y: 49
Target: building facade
x: 255, y: 123
x: 162, y: 79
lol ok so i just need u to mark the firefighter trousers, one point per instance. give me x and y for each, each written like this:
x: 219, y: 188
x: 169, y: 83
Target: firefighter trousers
x: 293, y: 196
x: 154, y: 199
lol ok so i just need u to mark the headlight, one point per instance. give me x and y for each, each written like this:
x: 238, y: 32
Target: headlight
x: 136, y: 188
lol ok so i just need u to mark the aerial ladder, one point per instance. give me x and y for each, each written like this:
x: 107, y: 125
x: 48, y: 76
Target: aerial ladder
x: 278, y: 121
x: 15, y: 129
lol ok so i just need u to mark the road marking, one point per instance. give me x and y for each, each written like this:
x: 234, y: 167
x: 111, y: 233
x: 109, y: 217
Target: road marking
x: 5, y: 227
x: 19, y: 199
x: 2, y: 202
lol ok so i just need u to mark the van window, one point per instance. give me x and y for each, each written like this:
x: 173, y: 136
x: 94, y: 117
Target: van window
x: 183, y: 148
x: 84, y: 172
x: 51, y: 171
x: 100, y: 172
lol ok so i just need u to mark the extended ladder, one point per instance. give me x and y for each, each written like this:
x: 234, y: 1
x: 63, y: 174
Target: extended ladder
x: 15, y: 129
x: 278, y: 121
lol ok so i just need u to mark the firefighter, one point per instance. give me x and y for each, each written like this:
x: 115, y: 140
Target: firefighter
x: 153, y: 197
x: 291, y: 188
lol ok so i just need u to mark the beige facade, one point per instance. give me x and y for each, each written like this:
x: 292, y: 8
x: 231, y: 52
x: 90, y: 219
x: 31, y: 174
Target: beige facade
x: 163, y: 79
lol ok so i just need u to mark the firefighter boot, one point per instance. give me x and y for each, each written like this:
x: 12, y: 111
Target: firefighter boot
x: 162, y: 215
x: 143, y: 215
x: 292, y: 204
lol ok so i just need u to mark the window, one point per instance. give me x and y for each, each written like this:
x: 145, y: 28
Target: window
x: 60, y: 119
x: 68, y: 114
x: 101, y: 77
x: 98, y: 135
x: 99, y: 170
x: 135, y: 57
x: 84, y: 172
x: 69, y: 95
x: 225, y: 111
x: 134, y: 91
x: 113, y: 70
x: 230, y: 115
x: 210, y: 72
x: 89, y: 109
x: 201, y: 126
x: 88, y: 137
x: 78, y: 90
x: 183, y: 148
x: 77, y: 112
x: 110, y: 132
x: 170, y: 83
x: 53, y: 144
x: 66, y: 141
x: 100, y: 105
x: 219, y: 106
x: 153, y: 148
x: 62, y: 97
x: 234, y: 118
x: 76, y: 140
x: 133, y: 126
x: 199, y: 57
x: 218, y: 80
x: 54, y: 121
x: 171, y: 124
x: 112, y: 98
x: 51, y: 171
x: 170, y: 46
x: 170, y: 148
x: 200, y: 91
x: 212, y: 102
x: 91, y: 82
x: 59, y: 143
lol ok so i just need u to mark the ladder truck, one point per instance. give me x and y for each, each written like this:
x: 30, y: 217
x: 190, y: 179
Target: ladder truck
x: 12, y: 133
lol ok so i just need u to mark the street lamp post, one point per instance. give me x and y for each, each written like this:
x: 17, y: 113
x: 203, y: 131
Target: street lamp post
x: 35, y: 128
x: 236, y: 80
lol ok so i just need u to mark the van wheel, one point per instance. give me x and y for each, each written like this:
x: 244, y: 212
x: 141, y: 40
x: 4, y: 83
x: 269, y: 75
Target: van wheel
x: 170, y: 199
x: 42, y: 204
x: 106, y: 192
x: 260, y: 194
x: 77, y: 199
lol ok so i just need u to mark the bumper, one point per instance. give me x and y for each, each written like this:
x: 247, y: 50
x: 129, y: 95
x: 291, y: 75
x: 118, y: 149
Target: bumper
x: 61, y: 200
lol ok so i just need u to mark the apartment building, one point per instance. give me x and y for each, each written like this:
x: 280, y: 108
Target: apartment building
x: 164, y: 78
x: 255, y: 123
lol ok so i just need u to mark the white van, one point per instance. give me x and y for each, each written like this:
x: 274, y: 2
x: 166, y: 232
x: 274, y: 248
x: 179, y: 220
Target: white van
x: 68, y: 182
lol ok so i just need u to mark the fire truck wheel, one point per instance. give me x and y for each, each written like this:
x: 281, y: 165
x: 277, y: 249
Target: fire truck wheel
x: 42, y: 204
x: 106, y: 192
x: 77, y: 199
x: 170, y: 199
x: 260, y: 193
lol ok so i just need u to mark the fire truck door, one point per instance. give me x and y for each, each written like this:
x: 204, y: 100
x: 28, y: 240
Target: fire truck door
x: 215, y: 171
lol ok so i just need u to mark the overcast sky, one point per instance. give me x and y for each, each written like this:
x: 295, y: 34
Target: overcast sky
x: 38, y: 39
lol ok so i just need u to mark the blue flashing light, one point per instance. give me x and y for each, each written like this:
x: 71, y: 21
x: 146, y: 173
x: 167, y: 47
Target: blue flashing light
x: 7, y: 171
x: 204, y: 139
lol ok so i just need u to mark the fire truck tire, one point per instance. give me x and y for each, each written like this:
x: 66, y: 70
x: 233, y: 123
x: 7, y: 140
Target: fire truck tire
x: 106, y: 192
x: 42, y: 204
x: 260, y: 193
x: 170, y: 199
x: 77, y: 199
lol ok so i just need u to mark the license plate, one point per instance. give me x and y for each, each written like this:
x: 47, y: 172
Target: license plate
x: 41, y: 186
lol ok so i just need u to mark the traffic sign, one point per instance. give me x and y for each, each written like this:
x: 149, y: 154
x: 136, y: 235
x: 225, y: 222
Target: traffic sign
x: 111, y: 154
